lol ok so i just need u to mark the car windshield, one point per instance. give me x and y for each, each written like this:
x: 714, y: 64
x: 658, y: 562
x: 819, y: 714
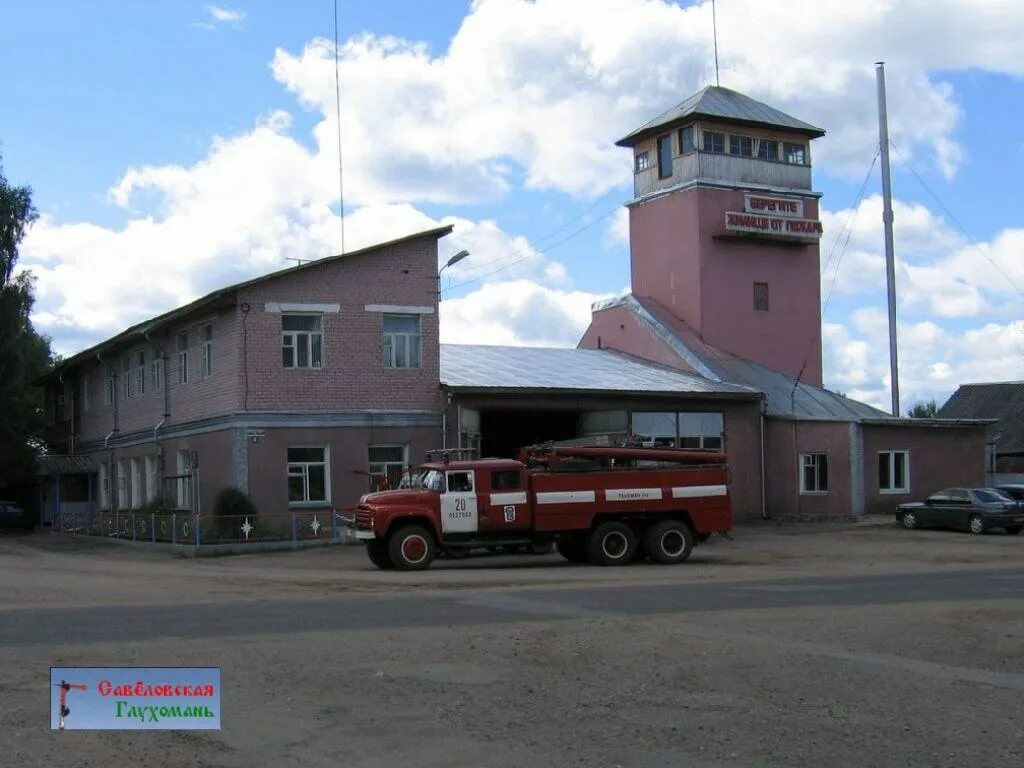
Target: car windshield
x: 991, y: 495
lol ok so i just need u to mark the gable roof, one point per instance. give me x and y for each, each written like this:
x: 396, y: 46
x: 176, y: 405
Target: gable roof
x: 723, y: 104
x: 1001, y: 400
x: 784, y: 395
x: 224, y: 296
x: 495, y: 369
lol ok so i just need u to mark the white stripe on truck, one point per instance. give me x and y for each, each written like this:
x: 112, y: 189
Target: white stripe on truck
x: 509, y: 498
x: 565, y: 497
x: 632, y: 494
x: 698, y: 491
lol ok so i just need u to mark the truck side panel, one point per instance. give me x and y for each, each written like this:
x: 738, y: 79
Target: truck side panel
x: 567, y: 501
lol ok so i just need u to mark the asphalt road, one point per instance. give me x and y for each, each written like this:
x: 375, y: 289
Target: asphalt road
x: 78, y: 626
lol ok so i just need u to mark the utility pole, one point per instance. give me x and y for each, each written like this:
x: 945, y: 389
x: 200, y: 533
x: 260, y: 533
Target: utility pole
x: 890, y: 259
x: 714, y: 27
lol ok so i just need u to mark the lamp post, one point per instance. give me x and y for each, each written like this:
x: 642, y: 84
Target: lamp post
x: 453, y: 260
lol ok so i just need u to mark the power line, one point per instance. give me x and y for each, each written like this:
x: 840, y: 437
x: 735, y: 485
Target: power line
x: 954, y: 219
x: 337, y: 101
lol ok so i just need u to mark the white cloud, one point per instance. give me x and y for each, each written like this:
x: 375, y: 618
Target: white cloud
x: 223, y: 15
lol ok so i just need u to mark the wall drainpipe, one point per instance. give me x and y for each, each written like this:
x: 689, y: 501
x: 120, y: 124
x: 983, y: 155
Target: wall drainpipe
x: 764, y: 479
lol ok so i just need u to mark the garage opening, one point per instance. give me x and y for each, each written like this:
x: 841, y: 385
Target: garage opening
x: 503, y: 431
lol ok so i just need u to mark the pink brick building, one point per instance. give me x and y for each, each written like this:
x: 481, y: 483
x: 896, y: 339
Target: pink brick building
x: 291, y: 387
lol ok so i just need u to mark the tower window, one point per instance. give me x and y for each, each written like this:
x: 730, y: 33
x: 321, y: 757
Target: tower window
x: 794, y: 153
x: 714, y: 142
x: 686, y: 143
x: 643, y: 161
x: 741, y: 145
x: 768, y: 150
x: 761, y: 297
x: 664, y: 156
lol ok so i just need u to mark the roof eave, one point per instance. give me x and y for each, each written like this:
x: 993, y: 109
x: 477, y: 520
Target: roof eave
x: 632, y: 139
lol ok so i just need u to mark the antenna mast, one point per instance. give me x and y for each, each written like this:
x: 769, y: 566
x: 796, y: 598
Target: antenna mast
x: 890, y: 259
x: 714, y: 27
x: 337, y: 94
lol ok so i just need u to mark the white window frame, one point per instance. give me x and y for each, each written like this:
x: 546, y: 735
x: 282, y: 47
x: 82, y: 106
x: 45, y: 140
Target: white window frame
x: 184, y: 482
x: 290, y: 340
x: 136, y: 479
x: 181, y: 344
x: 892, y: 489
x: 122, y: 484
x: 140, y: 372
x: 642, y: 161
x: 156, y: 371
x: 126, y: 375
x: 151, y: 479
x: 206, y: 351
x: 800, y: 473
x: 381, y: 467
x: 86, y: 393
x: 109, y: 387
x: 301, y: 469
x: 104, y: 485
x: 390, y: 339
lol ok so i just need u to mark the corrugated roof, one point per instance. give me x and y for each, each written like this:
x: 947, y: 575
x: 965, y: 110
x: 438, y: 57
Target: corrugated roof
x: 784, y: 396
x: 1002, y: 400
x: 499, y: 368
x: 723, y: 104
x: 222, y: 294
x: 65, y: 465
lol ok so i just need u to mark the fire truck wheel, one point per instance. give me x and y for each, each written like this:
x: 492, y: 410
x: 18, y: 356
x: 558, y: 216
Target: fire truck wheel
x: 378, y: 552
x: 572, y: 548
x: 412, y: 548
x: 669, y: 541
x: 611, y: 543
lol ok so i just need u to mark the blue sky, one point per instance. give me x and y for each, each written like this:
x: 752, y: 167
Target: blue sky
x: 175, y: 146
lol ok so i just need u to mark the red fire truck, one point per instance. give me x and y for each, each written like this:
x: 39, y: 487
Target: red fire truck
x: 603, y: 505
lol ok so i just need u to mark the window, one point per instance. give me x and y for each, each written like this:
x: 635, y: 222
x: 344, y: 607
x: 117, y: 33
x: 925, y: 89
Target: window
x: 761, y: 297
x: 206, y: 351
x: 108, y: 387
x: 183, y: 357
x: 701, y: 430
x: 122, y: 485
x: 184, y: 479
x: 460, y: 482
x: 741, y: 145
x: 892, y: 471
x: 664, y: 156
x: 714, y: 142
x: 768, y: 150
x: 151, y: 480
x: 506, y: 480
x: 686, y: 140
x: 156, y: 370
x: 68, y: 400
x: 387, y: 461
x: 307, y: 475
x: 813, y: 473
x: 140, y: 373
x: 402, y: 341
x: 126, y: 376
x: 302, y: 341
x: 136, y: 484
x: 794, y: 153
x: 655, y: 429
x: 104, y: 483
x: 643, y: 161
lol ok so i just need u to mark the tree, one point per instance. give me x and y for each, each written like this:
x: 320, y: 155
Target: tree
x: 24, y: 354
x: 923, y: 410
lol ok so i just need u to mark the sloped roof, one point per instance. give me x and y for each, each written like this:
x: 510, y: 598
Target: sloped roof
x: 784, y: 395
x: 555, y: 369
x: 723, y: 104
x: 224, y: 295
x: 64, y: 465
x: 1002, y: 400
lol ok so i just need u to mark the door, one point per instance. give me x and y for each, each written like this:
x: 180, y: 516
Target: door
x: 506, y: 506
x: 958, y: 509
x: 459, y: 512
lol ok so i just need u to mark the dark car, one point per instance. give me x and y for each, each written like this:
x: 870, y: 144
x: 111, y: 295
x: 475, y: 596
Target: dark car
x: 976, y: 509
x: 13, y: 516
x: 1013, y: 491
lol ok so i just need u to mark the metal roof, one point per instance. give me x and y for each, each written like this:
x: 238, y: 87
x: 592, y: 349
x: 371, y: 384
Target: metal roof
x: 1001, y: 400
x: 784, y: 395
x: 64, y: 465
x: 724, y: 104
x: 226, y: 295
x: 554, y: 369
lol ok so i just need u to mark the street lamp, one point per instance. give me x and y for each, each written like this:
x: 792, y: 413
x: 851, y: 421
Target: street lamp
x: 453, y: 260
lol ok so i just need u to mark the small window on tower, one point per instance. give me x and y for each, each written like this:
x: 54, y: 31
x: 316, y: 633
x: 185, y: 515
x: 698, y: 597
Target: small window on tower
x: 741, y: 145
x: 768, y: 150
x: 664, y: 156
x: 794, y: 153
x: 686, y: 139
x: 643, y: 161
x: 714, y: 142
x: 761, y: 297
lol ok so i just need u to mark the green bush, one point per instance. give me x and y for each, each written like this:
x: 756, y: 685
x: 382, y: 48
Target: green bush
x: 231, y: 501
